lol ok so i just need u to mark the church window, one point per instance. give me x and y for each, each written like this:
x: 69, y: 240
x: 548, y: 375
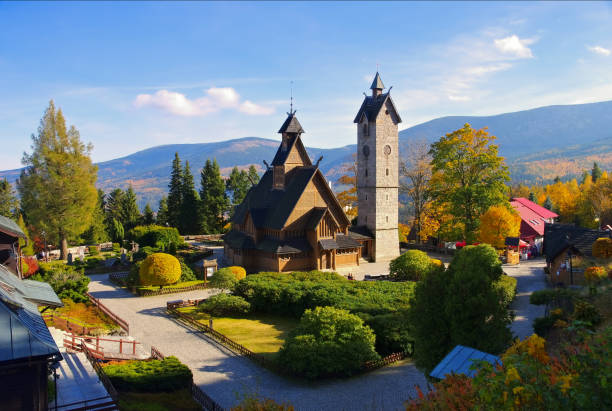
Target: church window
x: 387, y: 219
x: 366, y: 197
x: 386, y: 111
x: 387, y: 171
x: 366, y: 172
x: 387, y: 196
x: 366, y: 132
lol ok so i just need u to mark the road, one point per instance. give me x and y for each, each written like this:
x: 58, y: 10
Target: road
x: 227, y: 377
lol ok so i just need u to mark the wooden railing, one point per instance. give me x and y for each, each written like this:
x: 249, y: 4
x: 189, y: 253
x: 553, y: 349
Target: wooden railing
x: 67, y: 323
x: 170, y: 290
x: 120, y: 321
x: 200, y: 396
x: 101, y: 403
x: 227, y: 342
x: 389, y: 359
x: 75, y: 342
x: 101, y: 374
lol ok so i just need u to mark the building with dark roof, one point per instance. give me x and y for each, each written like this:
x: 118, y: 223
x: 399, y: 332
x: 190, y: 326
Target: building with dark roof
x: 565, y: 245
x: 27, y: 349
x: 291, y: 220
x: 10, y: 233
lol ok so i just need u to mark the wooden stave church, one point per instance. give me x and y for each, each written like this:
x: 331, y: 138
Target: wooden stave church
x: 291, y: 220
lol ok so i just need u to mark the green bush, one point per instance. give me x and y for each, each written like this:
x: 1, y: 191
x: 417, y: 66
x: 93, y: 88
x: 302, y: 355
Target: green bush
x: 413, y: 265
x: 225, y: 305
x: 393, y: 332
x: 165, y: 375
x: 93, y: 250
x: 187, y: 273
x: 507, y: 286
x: 551, y: 296
x: 542, y: 325
x: 156, y: 236
x: 587, y: 312
x: 143, y: 253
x: 160, y: 269
x: 292, y: 293
x: 328, y: 342
x: 66, y: 280
x: 116, y: 248
x: 223, y: 279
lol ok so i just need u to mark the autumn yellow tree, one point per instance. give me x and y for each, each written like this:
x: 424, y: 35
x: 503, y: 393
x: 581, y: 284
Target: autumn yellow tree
x: 348, y: 197
x: 499, y: 222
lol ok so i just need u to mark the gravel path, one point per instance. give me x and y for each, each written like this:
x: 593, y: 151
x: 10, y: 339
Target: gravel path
x: 227, y: 377
x: 530, y: 277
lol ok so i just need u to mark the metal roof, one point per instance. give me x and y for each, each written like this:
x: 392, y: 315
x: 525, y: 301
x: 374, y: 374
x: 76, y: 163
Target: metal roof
x: 34, y: 291
x: 10, y: 227
x: 459, y: 361
x: 371, y: 107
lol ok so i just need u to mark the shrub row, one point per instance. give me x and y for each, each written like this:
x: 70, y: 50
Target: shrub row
x: 165, y: 375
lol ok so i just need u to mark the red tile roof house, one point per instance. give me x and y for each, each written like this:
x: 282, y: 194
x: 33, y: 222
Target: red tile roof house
x: 533, y: 218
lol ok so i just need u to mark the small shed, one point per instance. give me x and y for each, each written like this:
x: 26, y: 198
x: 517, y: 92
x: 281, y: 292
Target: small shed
x: 460, y: 360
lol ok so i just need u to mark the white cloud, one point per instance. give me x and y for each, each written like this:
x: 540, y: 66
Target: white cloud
x: 514, y: 46
x: 458, y: 98
x: 216, y: 98
x: 602, y: 51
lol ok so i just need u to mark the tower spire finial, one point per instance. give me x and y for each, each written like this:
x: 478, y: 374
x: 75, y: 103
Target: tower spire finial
x: 291, y: 112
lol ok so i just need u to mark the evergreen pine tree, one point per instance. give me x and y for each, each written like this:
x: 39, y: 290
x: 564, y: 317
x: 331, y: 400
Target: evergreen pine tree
x: 162, y: 212
x: 175, y: 192
x: 548, y: 204
x: 596, y: 172
x: 189, y: 222
x: 8, y: 200
x: 532, y: 196
x: 557, y: 180
x: 148, y: 217
x: 214, y: 201
x: 57, y: 186
x: 130, y: 214
x: 97, y: 231
x: 585, y: 175
x: 112, y: 208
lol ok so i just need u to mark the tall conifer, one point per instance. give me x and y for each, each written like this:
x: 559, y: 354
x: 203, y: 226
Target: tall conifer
x: 8, y: 200
x: 214, y: 201
x: 162, y: 212
x: 189, y: 223
x: 57, y: 186
x: 175, y: 192
x: 130, y: 214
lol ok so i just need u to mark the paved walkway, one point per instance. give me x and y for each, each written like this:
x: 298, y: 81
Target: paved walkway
x: 530, y: 277
x: 227, y: 377
x: 77, y: 380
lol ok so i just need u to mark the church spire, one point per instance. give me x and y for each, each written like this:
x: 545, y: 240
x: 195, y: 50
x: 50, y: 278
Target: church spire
x: 377, y: 85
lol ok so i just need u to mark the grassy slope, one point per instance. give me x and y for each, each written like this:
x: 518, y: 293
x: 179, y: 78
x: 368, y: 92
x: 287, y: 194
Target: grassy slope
x: 261, y: 333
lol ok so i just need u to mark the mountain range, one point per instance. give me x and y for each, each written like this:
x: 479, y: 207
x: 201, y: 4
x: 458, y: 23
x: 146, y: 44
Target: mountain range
x: 538, y: 144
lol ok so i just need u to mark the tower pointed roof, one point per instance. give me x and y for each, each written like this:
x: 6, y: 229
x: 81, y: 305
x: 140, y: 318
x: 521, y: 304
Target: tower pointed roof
x: 291, y: 124
x: 377, y: 84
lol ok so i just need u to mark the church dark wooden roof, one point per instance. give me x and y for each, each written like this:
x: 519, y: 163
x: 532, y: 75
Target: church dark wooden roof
x: 371, y: 107
x: 291, y: 125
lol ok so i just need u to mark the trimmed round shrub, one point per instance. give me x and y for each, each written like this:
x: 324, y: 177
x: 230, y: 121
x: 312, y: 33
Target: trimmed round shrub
x: 223, y: 279
x: 160, y: 269
x: 328, y: 342
x: 239, y: 272
x: 602, y: 248
x: 224, y: 304
x: 413, y: 265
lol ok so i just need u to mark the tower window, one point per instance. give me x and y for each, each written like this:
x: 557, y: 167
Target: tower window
x: 366, y: 198
x: 387, y: 171
x: 366, y: 132
x: 387, y: 219
x: 366, y: 172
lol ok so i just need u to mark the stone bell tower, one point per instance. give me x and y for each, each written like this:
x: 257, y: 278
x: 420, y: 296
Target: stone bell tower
x: 378, y: 169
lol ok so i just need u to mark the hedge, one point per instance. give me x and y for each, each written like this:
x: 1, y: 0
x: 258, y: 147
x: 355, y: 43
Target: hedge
x: 165, y: 375
x: 225, y: 305
x: 160, y: 269
x: 413, y: 265
x: 156, y: 236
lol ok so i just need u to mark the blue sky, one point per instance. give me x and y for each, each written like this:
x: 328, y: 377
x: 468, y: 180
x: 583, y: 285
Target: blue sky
x: 134, y: 75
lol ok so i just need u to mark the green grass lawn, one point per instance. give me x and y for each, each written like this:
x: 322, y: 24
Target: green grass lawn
x: 180, y: 400
x: 261, y: 333
x: 177, y: 285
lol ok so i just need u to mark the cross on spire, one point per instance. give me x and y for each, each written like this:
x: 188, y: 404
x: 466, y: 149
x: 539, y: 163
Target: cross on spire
x: 291, y: 112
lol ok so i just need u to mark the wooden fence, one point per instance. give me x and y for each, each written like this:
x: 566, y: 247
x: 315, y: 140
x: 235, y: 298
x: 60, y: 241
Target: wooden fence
x: 68, y: 324
x: 75, y: 342
x: 174, y: 290
x: 93, y: 359
x: 120, y: 321
x: 171, y: 307
x: 200, y: 396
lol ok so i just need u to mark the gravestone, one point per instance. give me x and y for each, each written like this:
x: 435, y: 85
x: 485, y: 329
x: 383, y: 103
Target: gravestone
x: 69, y: 258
